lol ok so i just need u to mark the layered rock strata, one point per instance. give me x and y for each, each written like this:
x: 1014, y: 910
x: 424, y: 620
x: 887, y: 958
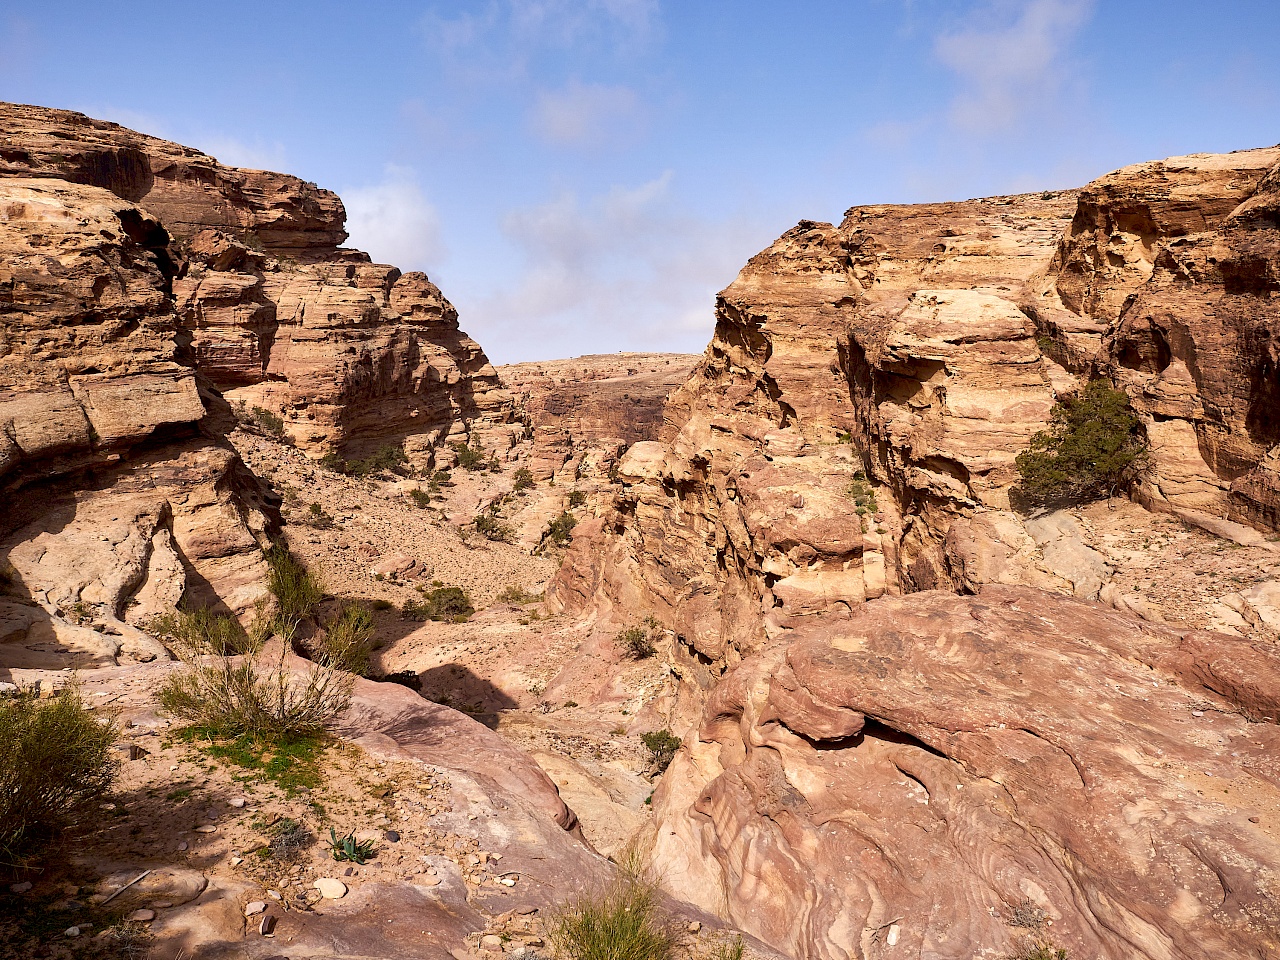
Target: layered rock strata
x: 351, y: 355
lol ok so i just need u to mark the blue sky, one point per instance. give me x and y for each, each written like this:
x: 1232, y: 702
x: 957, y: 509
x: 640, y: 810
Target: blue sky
x: 582, y: 176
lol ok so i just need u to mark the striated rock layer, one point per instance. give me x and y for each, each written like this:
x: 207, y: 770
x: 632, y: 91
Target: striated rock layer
x: 352, y: 355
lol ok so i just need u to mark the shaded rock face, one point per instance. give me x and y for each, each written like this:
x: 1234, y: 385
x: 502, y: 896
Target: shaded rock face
x: 942, y: 759
x: 600, y: 403
x: 120, y: 496
x: 351, y: 355
x: 1166, y: 281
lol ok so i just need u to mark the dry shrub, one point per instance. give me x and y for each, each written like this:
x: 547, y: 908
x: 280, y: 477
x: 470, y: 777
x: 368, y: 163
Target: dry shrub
x: 56, y: 765
x: 297, y: 591
x: 348, y: 638
x: 201, y: 630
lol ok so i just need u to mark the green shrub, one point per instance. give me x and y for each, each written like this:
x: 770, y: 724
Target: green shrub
x: 388, y: 459
x: 201, y: 630
x: 471, y: 458
x: 316, y: 517
x: 421, y: 498
x: 442, y: 603
x: 244, y: 696
x: 56, y: 765
x: 297, y: 591
x: 662, y: 746
x: 861, y: 493
x: 731, y: 950
x: 625, y: 922
x: 637, y: 642
x: 560, y: 529
x: 1094, y: 448
x: 348, y: 638
x: 270, y: 423
x: 524, y: 480
x: 577, y: 498
x: 334, y: 461
x: 491, y: 527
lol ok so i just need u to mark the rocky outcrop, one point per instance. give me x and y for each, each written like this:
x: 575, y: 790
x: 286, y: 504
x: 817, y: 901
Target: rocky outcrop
x: 942, y: 768
x: 350, y: 354
x: 1166, y: 281
x: 120, y: 496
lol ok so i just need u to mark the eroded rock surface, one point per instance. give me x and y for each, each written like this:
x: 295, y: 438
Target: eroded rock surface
x: 940, y: 760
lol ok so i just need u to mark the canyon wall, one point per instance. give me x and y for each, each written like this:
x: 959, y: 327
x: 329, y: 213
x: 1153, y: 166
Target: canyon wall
x: 352, y: 355
x: 908, y: 720
x: 149, y: 298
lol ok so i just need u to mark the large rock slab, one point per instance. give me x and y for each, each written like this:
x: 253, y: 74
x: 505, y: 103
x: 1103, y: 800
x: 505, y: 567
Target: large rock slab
x: 942, y: 759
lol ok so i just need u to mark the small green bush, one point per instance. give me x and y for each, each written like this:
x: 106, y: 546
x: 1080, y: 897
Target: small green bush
x: 471, y: 458
x: 518, y: 595
x: 862, y: 494
x: 560, y: 529
x: 524, y: 480
x: 297, y: 591
x: 637, y: 642
x: 662, y: 746
x: 270, y: 423
x: 421, y: 498
x: 202, y: 630
x: 491, y: 527
x: 388, y: 459
x: 1094, y: 448
x: 56, y: 765
x: 318, y: 518
x: 442, y: 603
x: 577, y: 498
x: 348, y: 638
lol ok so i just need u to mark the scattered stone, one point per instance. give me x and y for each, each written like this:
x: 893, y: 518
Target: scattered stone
x: 267, y: 926
x: 392, y: 836
x: 142, y: 915
x: 491, y: 942
x: 331, y: 888
x: 22, y: 887
x: 1255, y: 819
x: 429, y: 881
x: 237, y: 802
x: 695, y: 927
x: 348, y: 871
x: 274, y: 895
x: 254, y: 908
x: 507, y: 881
x: 183, y: 845
x: 72, y: 932
x: 236, y: 861
x: 526, y: 910
x: 206, y: 828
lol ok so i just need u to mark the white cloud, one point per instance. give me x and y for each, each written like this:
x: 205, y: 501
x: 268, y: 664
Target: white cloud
x: 394, y: 221
x: 586, y: 115
x: 626, y: 269
x: 234, y: 152
x: 1013, y: 63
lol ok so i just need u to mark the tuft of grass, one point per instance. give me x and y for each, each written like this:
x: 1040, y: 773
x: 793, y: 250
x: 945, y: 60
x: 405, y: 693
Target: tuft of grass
x: 318, y: 518
x: 518, y: 596
x: 624, y: 922
x: 290, y: 761
x: 862, y: 494
x: 732, y: 950
x: 577, y: 499
x: 441, y: 603
x: 286, y: 840
x: 662, y: 746
x: 56, y: 765
x: 523, y: 480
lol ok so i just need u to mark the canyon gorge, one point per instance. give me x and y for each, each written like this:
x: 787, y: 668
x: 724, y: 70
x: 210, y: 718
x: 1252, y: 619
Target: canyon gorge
x: 910, y: 713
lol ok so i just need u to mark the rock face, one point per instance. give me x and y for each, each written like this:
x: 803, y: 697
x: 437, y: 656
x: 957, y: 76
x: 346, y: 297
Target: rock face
x: 1166, y: 281
x: 592, y: 403
x: 351, y: 355
x: 120, y: 495
x: 943, y: 760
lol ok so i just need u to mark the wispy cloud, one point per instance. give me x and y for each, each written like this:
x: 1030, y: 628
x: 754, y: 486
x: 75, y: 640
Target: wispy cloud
x: 394, y: 221
x: 1012, y: 63
x: 585, y: 114
x: 626, y: 269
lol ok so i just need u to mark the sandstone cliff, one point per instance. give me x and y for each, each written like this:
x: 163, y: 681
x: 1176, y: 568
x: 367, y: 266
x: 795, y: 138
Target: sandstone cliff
x: 352, y: 355
x: 924, y: 768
